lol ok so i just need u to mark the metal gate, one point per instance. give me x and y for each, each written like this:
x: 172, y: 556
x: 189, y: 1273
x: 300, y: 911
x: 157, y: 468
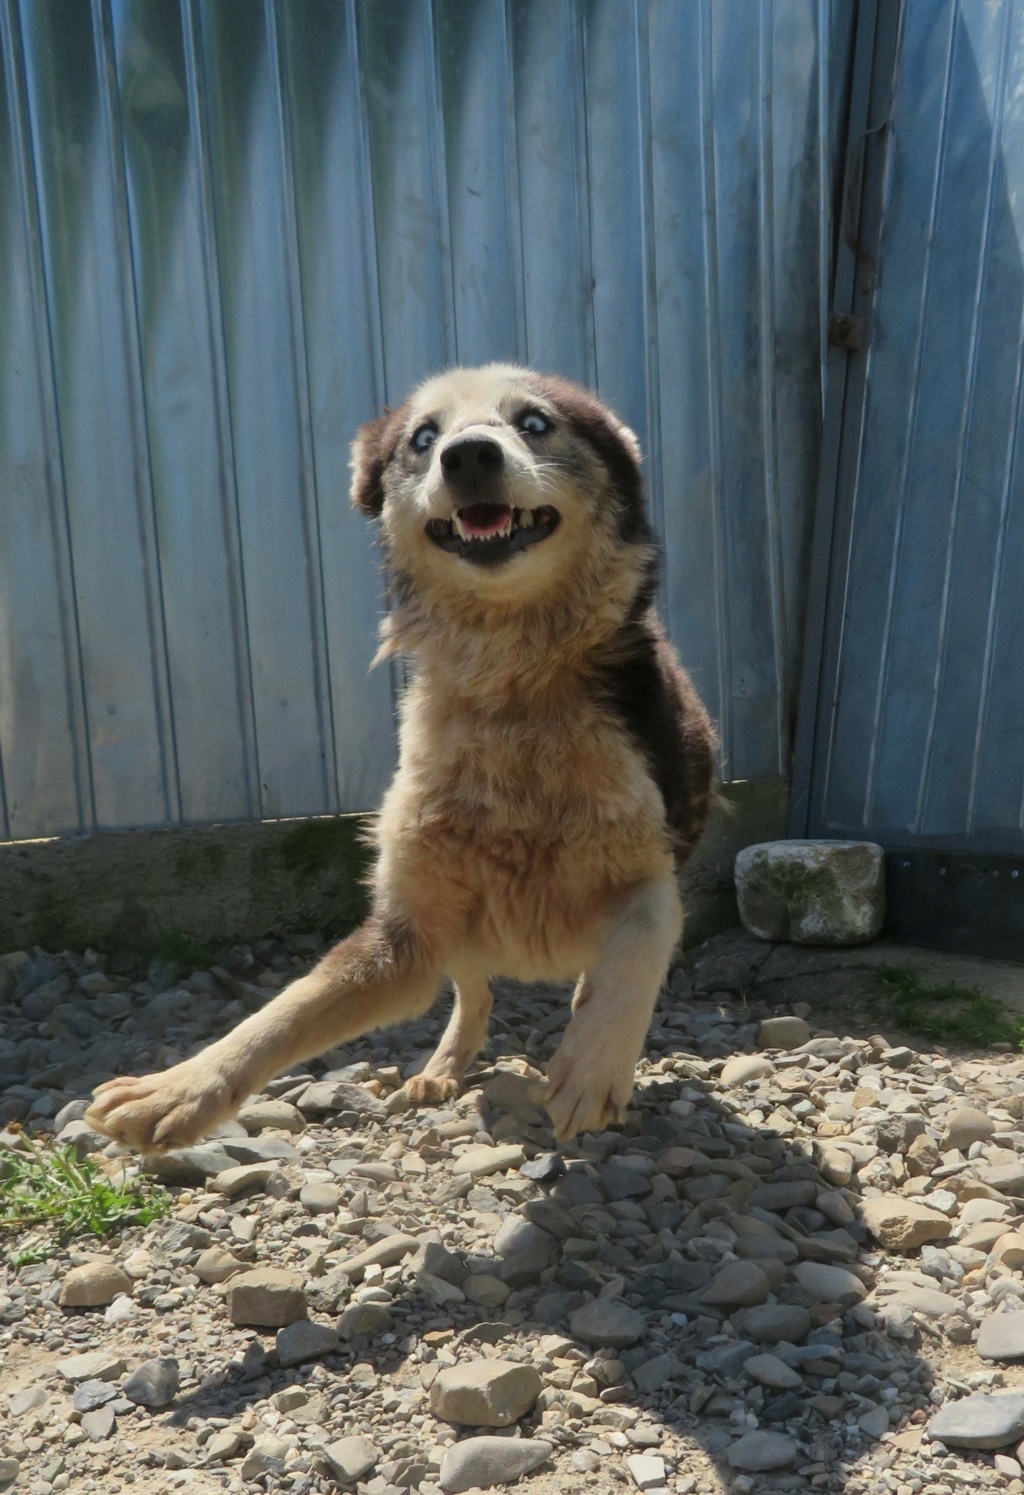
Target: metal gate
x: 231, y: 229
x: 913, y: 709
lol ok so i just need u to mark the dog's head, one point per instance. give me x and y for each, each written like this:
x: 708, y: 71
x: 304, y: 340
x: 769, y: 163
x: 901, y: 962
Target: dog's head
x: 501, y: 482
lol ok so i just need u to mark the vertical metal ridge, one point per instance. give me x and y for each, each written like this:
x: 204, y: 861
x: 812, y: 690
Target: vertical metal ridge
x: 581, y: 185
x: 825, y: 234
x: 769, y: 442
x: 847, y: 259
x: 966, y: 415
x: 142, y: 463
x: 648, y: 254
x: 230, y: 510
x: 56, y: 480
x: 439, y: 173
x: 513, y: 202
x: 911, y: 428
x: 713, y: 354
x: 309, y: 495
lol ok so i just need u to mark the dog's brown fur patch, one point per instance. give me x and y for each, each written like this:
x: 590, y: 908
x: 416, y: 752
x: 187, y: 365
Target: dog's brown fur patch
x: 555, y: 764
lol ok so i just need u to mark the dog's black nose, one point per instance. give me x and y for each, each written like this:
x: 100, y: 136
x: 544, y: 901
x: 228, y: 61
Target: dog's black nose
x: 472, y: 459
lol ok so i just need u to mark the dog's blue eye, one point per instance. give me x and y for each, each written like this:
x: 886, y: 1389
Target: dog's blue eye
x: 534, y: 424
x: 423, y: 437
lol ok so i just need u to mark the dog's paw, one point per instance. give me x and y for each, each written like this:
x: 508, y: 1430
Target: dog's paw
x: 431, y: 1090
x: 154, y: 1112
x: 582, y: 1096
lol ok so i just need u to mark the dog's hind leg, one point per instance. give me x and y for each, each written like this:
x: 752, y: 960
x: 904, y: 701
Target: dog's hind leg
x: 382, y: 973
x: 463, y: 1039
x: 590, y: 1077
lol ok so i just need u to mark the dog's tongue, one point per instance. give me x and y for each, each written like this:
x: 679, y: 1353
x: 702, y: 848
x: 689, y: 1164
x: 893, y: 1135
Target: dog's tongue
x: 484, y: 519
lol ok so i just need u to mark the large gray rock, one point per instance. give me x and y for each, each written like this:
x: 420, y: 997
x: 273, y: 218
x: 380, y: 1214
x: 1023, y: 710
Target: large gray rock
x: 812, y: 892
x: 608, y: 1325
x: 484, y: 1393
x: 481, y: 1463
x: 267, y: 1298
x: 985, y: 1420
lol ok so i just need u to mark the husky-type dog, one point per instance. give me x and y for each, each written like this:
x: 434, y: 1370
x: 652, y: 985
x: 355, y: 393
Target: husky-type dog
x: 555, y: 766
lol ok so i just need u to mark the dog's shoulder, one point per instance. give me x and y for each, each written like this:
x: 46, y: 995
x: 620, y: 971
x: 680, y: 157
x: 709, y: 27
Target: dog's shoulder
x: 642, y: 682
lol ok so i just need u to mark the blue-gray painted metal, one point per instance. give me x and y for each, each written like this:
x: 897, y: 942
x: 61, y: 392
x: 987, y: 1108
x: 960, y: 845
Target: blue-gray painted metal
x: 921, y: 731
x: 231, y: 229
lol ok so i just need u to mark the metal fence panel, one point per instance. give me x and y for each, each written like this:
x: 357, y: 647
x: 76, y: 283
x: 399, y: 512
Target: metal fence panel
x: 921, y: 734
x: 231, y: 229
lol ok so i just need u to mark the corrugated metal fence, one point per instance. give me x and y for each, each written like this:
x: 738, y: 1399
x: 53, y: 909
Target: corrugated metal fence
x: 231, y: 229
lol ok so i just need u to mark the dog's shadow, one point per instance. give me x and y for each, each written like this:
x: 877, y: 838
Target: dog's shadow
x: 680, y: 1392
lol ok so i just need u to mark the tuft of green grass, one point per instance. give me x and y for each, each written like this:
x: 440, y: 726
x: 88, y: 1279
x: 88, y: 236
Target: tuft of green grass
x: 29, y: 1256
x: 947, y: 1012
x: 48, y: 1185
x: 181, y: 950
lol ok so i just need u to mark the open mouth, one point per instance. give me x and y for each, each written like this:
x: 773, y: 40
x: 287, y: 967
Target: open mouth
x: 490, y: 533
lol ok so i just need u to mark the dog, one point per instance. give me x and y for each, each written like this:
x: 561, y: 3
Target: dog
x: 555, y: 765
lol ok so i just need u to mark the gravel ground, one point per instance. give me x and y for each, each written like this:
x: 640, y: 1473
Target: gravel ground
x: 782, y: 1272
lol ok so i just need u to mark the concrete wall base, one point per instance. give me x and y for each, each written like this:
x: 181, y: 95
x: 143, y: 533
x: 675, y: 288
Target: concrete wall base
x: 147, y: 892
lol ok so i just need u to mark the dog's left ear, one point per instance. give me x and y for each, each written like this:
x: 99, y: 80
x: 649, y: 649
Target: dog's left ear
x: 372, y: 450
x: 614, y: 443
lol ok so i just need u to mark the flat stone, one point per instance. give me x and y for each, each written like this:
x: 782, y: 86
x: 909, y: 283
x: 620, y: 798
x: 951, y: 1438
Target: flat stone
x: 783, y: 1033
x: 646, y: 1470
x: 484, y: 1393
x: 325, y: 1096
x: 351, y: 1459
x: 487, y: 1291
x: 927, y: 1300
x: 20, y: 1402
x: 744, y: 1068
x: 479, y: 1162
x: 217, y: 1265
x: 383, y: 1253
x: 267, y: 1456
x: 222, y: 1446
x: 9, y: 1471
x: 524, y: 1250
x: 812, y: 892
x: 361, y: 1320
x: 481, y: 1463
x: 769, y: 1370
x: 1001, y: 1337
x: 621, y: 1182
x: 100, y: 1365
x: 245, y: 1179
x: 188, y: 1165
x: 966, y: 1126
x: 153, y: 1383
x: 771, y: 1323
x: 875, y: 1423
x: 305, y: 1340
x: 267, y: 1298
x: 1005, y: 1178
x: 758, y: 1452
x: 94, y: 1285
x: 829, y: 1284
x: 784, y: 1196
x: 1008, y: 1250
x: 92, y: 1394
x: 607, y: 1324
x: 901, y: 1224
x: 320, y: 1198
x: 984, y: 1420
x: 739, y: 1284
x: 279, y: 1114
x: 99, y: 1424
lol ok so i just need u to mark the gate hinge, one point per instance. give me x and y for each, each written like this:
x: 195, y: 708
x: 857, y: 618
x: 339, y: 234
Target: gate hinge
x: 846, y: 331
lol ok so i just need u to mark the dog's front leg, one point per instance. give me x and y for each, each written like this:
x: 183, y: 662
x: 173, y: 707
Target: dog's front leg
x: 442, y: 1076
x: 590, y: 1077
x: 382, y: 973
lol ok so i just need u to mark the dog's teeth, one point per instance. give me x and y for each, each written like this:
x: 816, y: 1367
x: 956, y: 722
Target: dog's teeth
x: 460, y: 528
x: 525, y: 517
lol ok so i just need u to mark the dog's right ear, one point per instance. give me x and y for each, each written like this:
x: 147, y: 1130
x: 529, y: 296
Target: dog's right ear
x: 372, y: 450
